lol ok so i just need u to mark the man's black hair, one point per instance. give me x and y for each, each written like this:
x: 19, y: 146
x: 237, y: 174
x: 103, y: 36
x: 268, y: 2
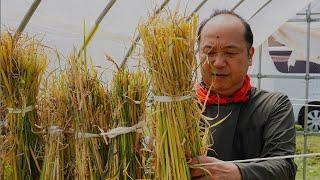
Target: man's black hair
x: 247, y: 34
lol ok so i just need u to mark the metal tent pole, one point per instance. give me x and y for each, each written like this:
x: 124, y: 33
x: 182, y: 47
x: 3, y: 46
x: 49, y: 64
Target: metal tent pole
x: 259, y: 67
x: 137, y: 39
x: 258, y: 10
x: 197, y: 9
x: 96, y: 25
x: 27, y: 17
x: 305, y: 134
x: 283, y: 76
x: 236, y: 5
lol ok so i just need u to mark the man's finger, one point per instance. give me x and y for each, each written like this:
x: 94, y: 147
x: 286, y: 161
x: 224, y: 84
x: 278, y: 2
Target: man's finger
x: 198, y: 172
x: 202, y: 160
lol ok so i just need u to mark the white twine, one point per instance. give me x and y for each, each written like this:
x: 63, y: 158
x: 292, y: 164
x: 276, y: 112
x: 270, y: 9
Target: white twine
x: 20, y: 110
x: 171, y: 98
x: 124, y: 130
x: 3, y: 123
x: 86, y: 135
x: 54, y: 130
x: 258, y: 159
x: 110, y: 134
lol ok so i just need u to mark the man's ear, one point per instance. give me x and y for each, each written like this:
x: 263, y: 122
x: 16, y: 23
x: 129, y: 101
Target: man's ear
x: 250, y: 55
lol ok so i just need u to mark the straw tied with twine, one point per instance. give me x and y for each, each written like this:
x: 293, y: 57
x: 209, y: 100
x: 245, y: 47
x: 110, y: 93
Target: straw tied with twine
x: 56, y: 130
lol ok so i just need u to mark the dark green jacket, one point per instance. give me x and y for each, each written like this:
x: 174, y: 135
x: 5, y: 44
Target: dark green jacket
x: 262, y: 127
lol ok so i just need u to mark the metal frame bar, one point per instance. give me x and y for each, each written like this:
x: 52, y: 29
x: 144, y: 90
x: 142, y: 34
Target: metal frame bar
x: 283, y: 76
x: 309, y: 105
x: 197, y: 9
x: 310, y: 14
x: 27, y: 18
x: 308, y: 133
x: 133, y: 46
x: 305, y: 129
x: 96, y: 25
x: 259, y: 67
x: 236, y: 5
x: 304, y: 20
x: 258, y: 10
x: 137, y: 39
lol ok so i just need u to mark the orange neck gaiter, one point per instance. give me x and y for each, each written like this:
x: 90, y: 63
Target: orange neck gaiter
x: 242, y: 95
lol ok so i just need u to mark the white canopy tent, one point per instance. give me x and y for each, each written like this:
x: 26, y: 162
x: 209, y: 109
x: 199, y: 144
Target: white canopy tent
x: 293, y: 35
x: 61, y: 23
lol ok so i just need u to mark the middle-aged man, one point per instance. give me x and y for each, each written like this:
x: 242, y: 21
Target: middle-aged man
x: 258, y: 124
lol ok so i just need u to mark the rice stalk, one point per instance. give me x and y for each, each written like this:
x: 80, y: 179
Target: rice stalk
x: 22, y: 64
x: 128, y: 92
x: 3, y: 140
x: 91, y: 111
x: 75, y: 103
x: 169, y: 53
x: 54, y: 112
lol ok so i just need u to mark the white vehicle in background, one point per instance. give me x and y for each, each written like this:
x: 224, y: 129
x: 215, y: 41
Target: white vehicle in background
x: 280, y: 62
x: 280, y: 56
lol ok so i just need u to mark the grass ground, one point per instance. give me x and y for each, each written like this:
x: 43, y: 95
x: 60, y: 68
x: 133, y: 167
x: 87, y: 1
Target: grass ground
x: 313, y: 163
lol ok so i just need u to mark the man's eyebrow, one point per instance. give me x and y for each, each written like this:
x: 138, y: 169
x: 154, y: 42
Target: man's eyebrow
x: 232, y: 47
x: 209, y: 47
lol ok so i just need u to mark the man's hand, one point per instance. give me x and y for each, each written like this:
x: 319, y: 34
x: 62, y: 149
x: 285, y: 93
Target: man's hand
x: 218, y: 171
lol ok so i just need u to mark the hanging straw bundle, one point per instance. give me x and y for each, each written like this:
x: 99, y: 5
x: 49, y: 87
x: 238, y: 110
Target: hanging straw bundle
x: 54, y: 112
x: 169, y: 52
x: 3, y: 141
x: 22, y: 64
x: 91, y: 110
x: 129, y: 92
x: 75, y: 110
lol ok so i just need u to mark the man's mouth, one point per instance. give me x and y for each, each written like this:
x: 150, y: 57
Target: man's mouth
x: 219, y: 74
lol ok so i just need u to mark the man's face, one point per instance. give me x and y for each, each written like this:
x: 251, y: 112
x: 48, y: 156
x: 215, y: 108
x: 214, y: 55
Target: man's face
x: 224, y: 54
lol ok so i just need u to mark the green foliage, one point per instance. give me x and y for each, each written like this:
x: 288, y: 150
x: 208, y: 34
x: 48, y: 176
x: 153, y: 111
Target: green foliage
x: 313, y: 163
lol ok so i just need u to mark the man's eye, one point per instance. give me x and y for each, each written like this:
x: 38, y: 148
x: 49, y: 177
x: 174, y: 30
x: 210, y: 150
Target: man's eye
x: 231, y: 53
x: 211, y: 54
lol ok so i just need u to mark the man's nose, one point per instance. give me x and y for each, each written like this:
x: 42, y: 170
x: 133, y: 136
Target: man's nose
x: 219, y: 61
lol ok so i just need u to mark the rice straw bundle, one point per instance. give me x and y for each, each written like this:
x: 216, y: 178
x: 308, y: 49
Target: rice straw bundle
x: 91, y: 110
x: 169, y: 52
x: 3, y: 140
x: 129, y: 92
x: 4, y: 144
x: 54, y: 112
x: 22, y: 64
x: 75, y: 108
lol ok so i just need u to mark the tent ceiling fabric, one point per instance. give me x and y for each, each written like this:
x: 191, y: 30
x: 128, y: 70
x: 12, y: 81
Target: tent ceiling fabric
x: 270, y: 18
x: 62, y: 22
x: 249, y: 7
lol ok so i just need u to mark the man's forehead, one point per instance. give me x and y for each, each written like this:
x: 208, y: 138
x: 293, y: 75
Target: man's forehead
x: 225, y: 19
x: 223, y: 23
x: 223, y: 29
